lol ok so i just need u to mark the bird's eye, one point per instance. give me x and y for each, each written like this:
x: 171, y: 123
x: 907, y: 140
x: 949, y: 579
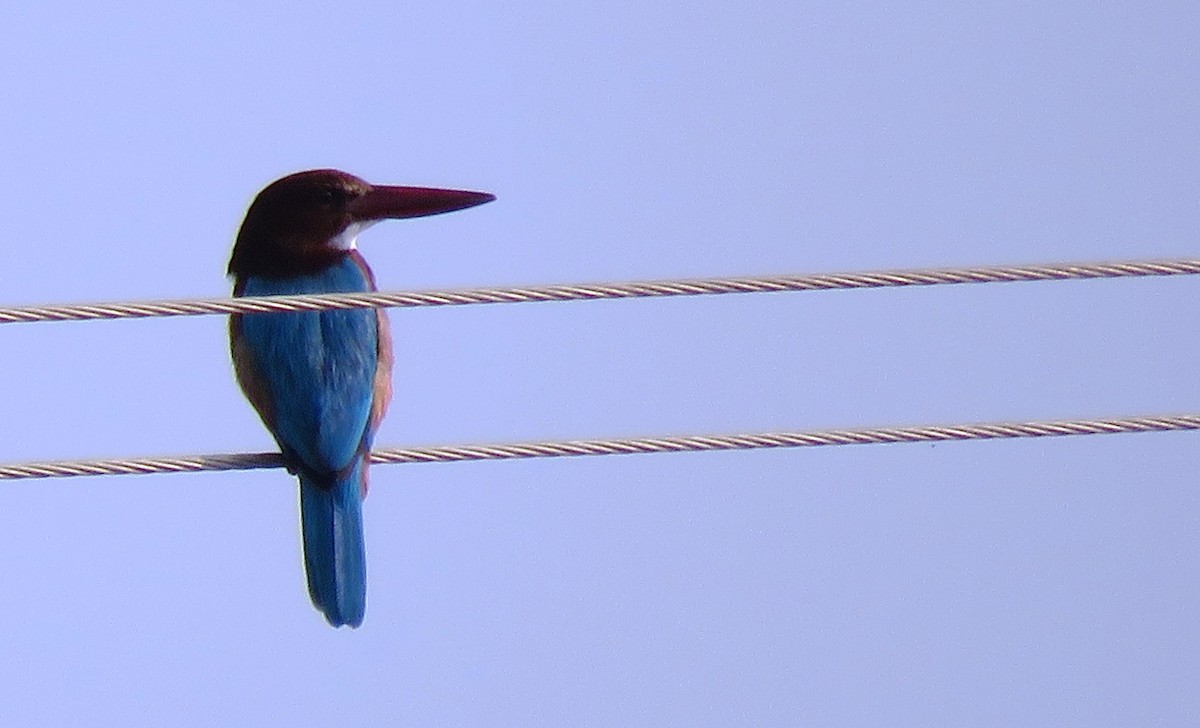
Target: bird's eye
x: 332, y: 196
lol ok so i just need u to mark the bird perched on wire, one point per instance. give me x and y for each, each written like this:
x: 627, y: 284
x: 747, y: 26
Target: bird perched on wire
x: 321, y: 380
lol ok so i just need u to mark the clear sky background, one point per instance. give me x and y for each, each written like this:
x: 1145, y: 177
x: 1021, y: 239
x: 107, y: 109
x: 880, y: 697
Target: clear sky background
x: 1032, y: 582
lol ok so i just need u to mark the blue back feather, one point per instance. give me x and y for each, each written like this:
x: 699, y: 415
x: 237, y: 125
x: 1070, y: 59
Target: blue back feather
x: 319, y: 366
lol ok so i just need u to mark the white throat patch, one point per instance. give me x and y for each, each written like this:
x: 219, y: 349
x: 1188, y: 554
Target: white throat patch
x: 348, y: 238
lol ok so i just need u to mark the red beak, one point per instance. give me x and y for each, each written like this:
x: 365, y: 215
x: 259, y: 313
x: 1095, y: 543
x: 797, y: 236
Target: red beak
x: 397, y: 202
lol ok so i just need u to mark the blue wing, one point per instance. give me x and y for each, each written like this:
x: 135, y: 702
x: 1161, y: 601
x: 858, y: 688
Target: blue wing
x: 316, y: 370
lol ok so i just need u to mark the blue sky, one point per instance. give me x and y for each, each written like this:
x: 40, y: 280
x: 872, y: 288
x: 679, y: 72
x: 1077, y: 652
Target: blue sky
x: 1000, y: 583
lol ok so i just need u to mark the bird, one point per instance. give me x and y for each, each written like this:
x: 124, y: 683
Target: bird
x: 321, y: 380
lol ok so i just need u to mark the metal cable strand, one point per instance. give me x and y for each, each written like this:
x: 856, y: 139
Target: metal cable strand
x: 813, y: 438
x: 637, y: 289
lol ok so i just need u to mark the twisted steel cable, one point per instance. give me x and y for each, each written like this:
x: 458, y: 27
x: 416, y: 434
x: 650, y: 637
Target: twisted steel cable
x: 572, y: 448
x: 594, y: 291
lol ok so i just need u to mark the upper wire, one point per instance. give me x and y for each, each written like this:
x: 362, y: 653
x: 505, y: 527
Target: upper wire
x: 595, y: 291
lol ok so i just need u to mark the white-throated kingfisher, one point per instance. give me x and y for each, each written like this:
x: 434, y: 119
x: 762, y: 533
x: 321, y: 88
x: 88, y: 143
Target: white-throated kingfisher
x: 321, y: 380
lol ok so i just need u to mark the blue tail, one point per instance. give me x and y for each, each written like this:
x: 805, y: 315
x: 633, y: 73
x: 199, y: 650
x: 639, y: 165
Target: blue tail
x: 334, y: 555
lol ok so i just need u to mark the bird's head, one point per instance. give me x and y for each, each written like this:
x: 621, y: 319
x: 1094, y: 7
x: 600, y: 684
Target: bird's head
x: 306, y: 221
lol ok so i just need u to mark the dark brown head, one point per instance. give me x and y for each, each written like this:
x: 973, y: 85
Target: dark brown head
x: 306, y: 221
